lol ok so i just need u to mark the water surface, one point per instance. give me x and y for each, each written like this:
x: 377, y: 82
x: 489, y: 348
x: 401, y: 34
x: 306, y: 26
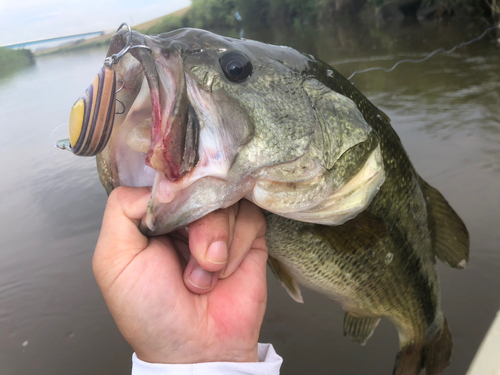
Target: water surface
x: 53, y: 319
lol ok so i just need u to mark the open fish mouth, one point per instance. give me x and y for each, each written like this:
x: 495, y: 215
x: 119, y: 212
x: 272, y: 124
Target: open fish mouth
x: 170, y: 137
x: 159, y: 141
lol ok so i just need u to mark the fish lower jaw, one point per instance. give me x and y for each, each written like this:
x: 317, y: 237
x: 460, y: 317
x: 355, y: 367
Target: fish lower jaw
x: 164, y: 191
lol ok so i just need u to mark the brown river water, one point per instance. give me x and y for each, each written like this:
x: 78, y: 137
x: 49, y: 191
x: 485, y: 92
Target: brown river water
x: 446, y: 110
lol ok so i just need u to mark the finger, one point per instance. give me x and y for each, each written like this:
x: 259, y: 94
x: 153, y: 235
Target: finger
x: 250, y: 225
x: 199, y: 280
x: 181, y: 245
x: 120, y: 239
x: 210, y: 238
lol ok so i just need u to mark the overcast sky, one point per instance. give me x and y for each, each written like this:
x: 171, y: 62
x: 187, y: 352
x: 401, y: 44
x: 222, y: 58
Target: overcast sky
x: 27, y: 20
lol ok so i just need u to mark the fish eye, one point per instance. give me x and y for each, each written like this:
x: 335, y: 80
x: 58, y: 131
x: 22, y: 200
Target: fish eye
x: 236, y: 66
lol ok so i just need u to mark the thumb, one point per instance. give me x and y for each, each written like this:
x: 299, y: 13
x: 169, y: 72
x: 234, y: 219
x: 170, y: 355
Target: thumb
x: 120, y: 239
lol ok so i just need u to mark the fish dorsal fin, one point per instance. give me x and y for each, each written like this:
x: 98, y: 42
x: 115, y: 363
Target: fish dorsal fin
x: 364, y: 231
x: 285, y: 278
x: 449, y: 234
x: 360, y: 328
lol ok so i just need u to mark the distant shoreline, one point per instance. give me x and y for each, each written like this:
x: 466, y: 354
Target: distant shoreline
x: 105, y: 38
x: 12, y: 60
x: 239, y: 14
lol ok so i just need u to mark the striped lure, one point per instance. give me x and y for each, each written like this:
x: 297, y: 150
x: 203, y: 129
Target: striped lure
x: 92, y: 116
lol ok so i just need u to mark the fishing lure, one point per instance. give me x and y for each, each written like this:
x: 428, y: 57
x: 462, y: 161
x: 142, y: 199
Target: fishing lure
x: 93, y: 114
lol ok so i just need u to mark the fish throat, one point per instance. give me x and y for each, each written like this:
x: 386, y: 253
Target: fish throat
x: 174, y: 143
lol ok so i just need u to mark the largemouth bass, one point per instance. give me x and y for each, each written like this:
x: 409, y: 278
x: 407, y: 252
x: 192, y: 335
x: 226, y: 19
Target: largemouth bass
x: 209, y: 120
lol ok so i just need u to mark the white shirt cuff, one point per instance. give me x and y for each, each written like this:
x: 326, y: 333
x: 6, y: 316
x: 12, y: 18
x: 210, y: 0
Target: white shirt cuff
x: 269, y: 364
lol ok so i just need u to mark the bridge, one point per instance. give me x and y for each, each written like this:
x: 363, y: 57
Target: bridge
x: 40, y: 41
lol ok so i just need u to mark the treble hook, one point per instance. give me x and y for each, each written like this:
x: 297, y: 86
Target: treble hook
x: 109, y: 61
x: 123, y: 107
x: 118, y: 100
x: 121, y: 88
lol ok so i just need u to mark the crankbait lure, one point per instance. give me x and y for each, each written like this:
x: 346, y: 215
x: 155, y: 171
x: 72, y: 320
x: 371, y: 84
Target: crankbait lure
x: 92, y: 116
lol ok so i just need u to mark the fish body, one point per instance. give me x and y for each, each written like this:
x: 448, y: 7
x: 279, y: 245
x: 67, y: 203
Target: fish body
x: 210, y: 120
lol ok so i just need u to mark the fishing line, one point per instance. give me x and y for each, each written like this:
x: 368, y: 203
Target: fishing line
x: 428, y: 56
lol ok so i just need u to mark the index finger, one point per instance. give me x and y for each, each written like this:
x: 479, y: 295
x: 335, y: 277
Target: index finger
x: 249, y: 230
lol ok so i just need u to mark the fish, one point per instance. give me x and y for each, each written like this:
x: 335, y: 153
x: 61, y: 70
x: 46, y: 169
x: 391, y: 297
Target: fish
x: 208, y: 120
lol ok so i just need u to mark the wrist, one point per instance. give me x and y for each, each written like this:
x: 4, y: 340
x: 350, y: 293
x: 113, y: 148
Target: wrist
x: 199, y: 356
x: 269, y: 364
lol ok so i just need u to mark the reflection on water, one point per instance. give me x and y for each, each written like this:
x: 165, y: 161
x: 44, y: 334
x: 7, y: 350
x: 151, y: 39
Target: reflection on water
x: 446, y: 110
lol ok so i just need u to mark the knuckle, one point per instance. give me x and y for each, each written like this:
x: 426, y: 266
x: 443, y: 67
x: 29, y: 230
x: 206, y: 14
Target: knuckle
x: 117, y: 195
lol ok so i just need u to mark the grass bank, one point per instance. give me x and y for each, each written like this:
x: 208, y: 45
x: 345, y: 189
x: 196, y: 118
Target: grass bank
x: 14, y: 59
x: 223, y: 14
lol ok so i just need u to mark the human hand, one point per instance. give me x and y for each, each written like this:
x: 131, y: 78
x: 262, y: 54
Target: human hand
x: 148, y: 283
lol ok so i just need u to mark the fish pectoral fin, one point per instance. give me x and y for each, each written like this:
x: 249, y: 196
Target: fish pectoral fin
x: 285, y: 278
x: 449, y: 234
x: 359, y: 328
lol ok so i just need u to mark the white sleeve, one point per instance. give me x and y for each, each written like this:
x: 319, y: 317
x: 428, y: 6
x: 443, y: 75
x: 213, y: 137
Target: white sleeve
x: 269, y: 364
